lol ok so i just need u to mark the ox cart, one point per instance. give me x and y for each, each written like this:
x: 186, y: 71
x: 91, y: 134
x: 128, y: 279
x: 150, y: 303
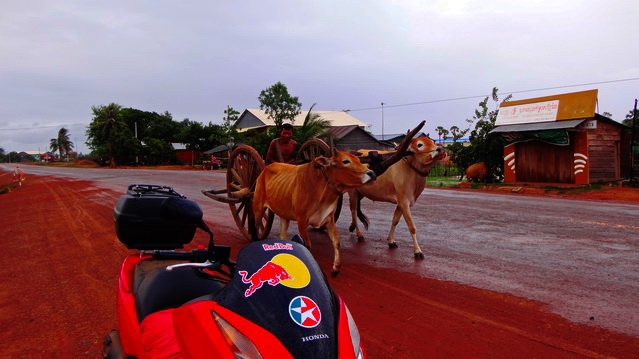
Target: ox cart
x: 245, y: 165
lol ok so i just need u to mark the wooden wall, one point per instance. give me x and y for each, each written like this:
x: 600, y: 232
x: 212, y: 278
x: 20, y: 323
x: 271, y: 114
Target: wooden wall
x: 604, y: 153
x: 543, y: 162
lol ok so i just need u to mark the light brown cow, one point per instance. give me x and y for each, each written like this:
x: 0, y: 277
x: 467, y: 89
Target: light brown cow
x: 308, y: 194
x: 401, y: 184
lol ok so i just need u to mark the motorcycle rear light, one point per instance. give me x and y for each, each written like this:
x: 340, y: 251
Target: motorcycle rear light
x: 241, y: 346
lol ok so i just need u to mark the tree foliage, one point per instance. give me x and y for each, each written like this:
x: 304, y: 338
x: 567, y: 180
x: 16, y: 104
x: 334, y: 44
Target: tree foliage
x: 279, y: 105
x: 229, y: 122
x: 442, y: 132
x: 132, y: 136
x: 484, y: 146
x: 314, y: 126
x: 106, y: 128
x: 62, y: 143
x: 628, y: 121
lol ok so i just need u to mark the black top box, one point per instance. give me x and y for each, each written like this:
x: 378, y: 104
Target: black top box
x: 151, y: 217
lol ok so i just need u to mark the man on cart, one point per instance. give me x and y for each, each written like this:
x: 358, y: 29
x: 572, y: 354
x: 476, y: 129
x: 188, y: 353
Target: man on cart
x: 284, y: 148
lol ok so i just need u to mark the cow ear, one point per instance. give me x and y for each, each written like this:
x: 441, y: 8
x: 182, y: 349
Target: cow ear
x: 355, y: 153
x: 320, y: 162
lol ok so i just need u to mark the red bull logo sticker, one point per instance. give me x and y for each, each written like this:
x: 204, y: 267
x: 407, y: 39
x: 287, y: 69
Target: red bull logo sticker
x: 304, y: 312
x: 284, y: 269
x: 277, y: 246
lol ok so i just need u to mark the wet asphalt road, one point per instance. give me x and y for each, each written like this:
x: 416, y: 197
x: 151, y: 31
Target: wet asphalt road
x: 579, y: 257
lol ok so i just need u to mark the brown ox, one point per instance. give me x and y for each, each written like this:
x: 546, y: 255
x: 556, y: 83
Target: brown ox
x: 401, y: 184
x: 476, y: 172
x: 308, y: 194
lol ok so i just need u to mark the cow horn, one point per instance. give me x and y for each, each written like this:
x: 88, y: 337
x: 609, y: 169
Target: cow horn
x: 380, y: 167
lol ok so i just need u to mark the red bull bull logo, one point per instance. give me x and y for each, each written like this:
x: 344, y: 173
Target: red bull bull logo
x: 284, y: 269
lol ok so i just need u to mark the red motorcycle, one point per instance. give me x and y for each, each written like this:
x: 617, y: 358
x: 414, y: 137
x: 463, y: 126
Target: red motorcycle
x: 274, y: 302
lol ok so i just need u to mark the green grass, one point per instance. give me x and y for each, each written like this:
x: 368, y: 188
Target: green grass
x: 572, y: 190
x: 442, y: 182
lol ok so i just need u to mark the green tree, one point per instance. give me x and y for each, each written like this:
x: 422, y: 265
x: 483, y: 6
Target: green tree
x: 105, y: 128
x: 629, y: 117
x: 454, y: 149
x: 54, y: 147
x: 441, y: 131
x: 228, y: 124
x: 62, y: 143
x: 279, y: 105
x: 484, y: 146
x: 158, y: 152
x: 314, y: 126
x: 194, y: 136
x: 163, y: 127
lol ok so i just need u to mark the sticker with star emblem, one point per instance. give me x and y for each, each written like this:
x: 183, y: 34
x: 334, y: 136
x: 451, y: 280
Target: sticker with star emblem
x: 304, y: 312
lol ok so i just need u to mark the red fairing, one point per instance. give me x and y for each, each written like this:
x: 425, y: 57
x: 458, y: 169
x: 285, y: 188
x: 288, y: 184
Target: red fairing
x: 127, y: 317
x: 199, y: 336
x: 344, y: 336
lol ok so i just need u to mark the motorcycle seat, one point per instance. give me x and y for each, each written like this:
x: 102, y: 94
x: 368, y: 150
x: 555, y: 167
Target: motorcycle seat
x: 155, y: 289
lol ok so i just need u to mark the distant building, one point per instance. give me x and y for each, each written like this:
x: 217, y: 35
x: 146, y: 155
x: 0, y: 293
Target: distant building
x: 353, y: 138
x: 184, y: 155
x: 258, y: 119
x: 47, y: 157
x: 560, y: 139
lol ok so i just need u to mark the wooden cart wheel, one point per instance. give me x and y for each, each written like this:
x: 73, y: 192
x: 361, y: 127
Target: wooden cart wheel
x: 245, y: 165
x: 312, y: 148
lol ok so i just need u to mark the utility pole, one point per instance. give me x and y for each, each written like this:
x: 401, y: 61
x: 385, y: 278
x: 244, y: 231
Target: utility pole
x: 136, y: 138
x: 633, y: 144
x: 383, y: 121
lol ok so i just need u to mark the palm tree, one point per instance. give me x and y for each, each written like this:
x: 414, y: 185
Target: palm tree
x: 442, y: 131
x: 62, y: 143
x: 54, y: 146
x: 107, y: 123
x: 314, y: 126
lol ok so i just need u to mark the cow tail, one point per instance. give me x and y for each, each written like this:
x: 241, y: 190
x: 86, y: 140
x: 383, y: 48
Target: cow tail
x: 362, y: 217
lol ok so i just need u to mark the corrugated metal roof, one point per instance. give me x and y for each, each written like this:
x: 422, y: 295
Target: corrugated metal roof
x: 539, y: 126
x: 340, y: 131
x: 336, y: 118
x: 220, y: 148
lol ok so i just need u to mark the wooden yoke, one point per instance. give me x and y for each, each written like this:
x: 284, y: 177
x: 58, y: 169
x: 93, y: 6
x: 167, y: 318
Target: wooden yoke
x: 380, y: 162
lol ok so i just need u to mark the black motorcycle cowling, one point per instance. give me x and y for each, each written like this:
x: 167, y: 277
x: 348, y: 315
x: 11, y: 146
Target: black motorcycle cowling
x: 280, y: 287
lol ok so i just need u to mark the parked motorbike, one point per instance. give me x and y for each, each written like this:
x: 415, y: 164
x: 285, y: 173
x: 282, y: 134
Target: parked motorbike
x: 273, y: 302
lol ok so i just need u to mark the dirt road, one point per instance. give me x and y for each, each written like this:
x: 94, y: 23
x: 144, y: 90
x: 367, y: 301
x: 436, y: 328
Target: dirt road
x: 60, y: 259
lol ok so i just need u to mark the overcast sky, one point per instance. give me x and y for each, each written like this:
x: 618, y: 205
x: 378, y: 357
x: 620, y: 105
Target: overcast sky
x: 425, y: 60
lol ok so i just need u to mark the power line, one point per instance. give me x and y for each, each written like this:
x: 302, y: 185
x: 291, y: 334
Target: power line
x: 42, y: 127
x: 483, y: 96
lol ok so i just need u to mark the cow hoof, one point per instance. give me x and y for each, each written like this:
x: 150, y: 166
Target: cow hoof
x: 392, y: 245
x: 360, y: 239
x: 351, y: 228
x: 419, y: 255
x: 334, y: 273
